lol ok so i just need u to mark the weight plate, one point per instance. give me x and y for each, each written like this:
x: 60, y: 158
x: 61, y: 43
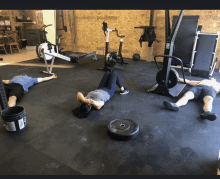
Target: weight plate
x: 110, y: 59
x: 122, y: 129
x: 173, y: 78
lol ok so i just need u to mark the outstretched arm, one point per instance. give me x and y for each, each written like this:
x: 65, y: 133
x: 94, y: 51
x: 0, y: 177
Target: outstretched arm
x: 190, y: 82
x: 46, y: 78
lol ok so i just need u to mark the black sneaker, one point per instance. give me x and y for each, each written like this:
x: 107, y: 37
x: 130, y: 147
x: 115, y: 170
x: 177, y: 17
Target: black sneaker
x: 208, y: 115
x: 171, y: 106
x: 125, y: 91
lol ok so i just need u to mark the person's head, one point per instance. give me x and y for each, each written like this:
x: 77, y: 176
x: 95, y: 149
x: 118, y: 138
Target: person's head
x: 83, y: 110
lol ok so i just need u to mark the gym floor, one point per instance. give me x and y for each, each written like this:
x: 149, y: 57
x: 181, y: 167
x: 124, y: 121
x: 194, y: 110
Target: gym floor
x: 56, y: 142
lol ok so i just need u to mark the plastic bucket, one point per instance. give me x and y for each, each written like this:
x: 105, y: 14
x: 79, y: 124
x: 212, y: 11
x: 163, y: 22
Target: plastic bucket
x: 14, y: 118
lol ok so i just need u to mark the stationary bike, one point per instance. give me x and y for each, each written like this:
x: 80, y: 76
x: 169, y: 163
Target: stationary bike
x: 111, y: 58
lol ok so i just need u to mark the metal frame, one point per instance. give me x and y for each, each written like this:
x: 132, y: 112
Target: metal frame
x: 162, y: 88
x: 212, y: 67
x: 191, y: 61
x: 107, y: 49
x: 3, y: 97
x: 75, y: 57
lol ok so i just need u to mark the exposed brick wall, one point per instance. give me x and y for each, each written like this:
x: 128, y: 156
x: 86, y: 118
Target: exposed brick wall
x: 85, y: 34
x: 90, y: 36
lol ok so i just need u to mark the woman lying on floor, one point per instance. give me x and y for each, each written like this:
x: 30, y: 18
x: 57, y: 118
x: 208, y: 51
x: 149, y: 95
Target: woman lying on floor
x: 102, y: 94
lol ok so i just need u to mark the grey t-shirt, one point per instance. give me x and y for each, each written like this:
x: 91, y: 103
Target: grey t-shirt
x: 98, y: 95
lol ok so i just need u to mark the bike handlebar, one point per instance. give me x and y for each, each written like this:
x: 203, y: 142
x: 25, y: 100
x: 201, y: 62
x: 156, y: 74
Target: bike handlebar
x: 117, y: 32
x: 105, y: 28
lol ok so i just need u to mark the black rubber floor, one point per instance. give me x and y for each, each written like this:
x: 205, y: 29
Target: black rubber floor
x: 56, y: 142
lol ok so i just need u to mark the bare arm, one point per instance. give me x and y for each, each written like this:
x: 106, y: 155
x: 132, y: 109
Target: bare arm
x: 5, y: 81
x: 97, y: 104
x: 46, y: 78
x: 80, y: 97
x: 190, y: 82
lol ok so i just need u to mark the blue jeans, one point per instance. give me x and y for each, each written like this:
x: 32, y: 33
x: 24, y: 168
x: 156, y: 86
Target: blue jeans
x: 109, y: 81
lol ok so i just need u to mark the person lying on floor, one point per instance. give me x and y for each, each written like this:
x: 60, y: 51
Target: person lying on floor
x: 18, y: 85
x: 103, y: 93
x: 205, y: 90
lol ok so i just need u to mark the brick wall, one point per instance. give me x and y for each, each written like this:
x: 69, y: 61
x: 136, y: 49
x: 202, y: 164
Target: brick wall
x: 89, y: 35
x: 85, y: 34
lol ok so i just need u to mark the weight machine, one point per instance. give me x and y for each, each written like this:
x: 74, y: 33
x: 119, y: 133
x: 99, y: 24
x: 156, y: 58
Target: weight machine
x: 167, y: 78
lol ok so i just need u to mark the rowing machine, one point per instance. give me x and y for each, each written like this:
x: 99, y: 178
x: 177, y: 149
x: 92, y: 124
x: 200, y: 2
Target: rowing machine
x: 72, y: 58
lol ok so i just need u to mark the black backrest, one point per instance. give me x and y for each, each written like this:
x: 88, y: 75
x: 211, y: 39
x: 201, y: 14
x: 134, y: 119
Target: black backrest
x: 206, y: 45
x: 183, y: 44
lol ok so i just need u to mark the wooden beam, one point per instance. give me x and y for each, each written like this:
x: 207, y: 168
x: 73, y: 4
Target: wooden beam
x: 11, y: 20
x: 14, y: 36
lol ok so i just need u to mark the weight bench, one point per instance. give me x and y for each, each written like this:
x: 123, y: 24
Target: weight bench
x: 204, y: 53
x: 183, y: 44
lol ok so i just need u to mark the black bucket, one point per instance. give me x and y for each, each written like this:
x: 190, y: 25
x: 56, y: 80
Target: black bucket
x: 14, y: 119
x: 24, y: 42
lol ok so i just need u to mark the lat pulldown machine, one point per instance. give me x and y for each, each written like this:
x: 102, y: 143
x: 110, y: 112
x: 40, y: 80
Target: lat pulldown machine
x: 167, y: 78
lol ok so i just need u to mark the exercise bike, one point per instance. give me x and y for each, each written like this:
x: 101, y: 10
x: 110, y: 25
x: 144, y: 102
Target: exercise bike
x: 111, y: 58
